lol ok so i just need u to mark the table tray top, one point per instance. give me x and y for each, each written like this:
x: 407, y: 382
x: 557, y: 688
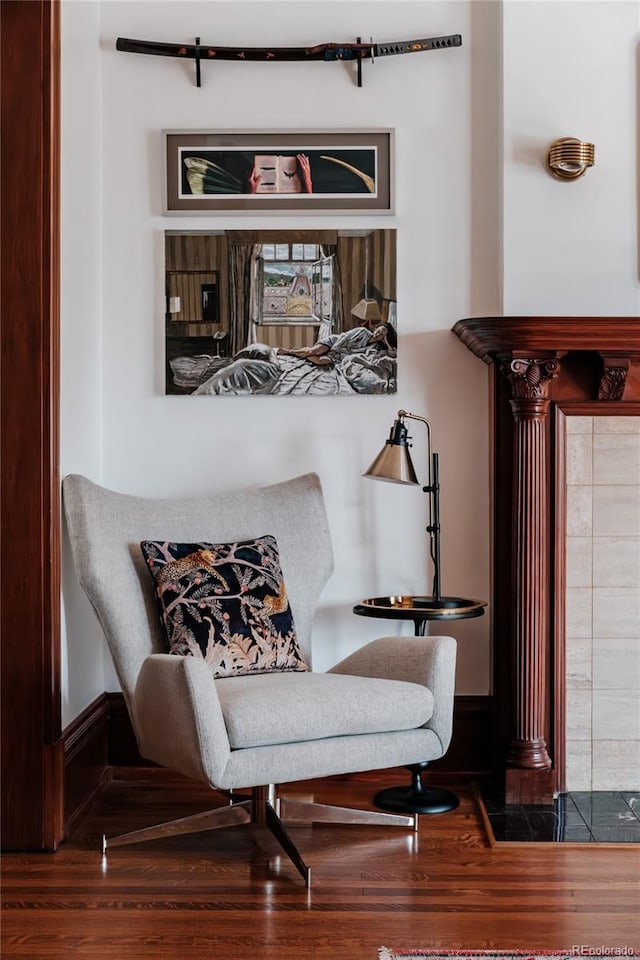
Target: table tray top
x: 397, y: 607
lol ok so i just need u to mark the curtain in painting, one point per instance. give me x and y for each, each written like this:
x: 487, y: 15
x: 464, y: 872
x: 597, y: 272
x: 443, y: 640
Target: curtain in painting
x: 331, y: 250
x: 242, y: 260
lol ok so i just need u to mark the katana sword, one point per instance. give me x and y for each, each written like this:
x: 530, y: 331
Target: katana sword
x: 328, y: 52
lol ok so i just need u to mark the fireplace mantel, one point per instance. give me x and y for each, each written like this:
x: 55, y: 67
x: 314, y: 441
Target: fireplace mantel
x: 547, y: 368
x: 489, y: 336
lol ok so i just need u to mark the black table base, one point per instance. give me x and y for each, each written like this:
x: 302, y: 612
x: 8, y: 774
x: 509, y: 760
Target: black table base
x: 416, y: 798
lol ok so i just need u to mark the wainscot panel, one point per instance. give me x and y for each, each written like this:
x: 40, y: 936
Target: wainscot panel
x: 86, y: 761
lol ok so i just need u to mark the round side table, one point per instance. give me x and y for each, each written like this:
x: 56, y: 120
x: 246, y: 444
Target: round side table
x: 416, y: 798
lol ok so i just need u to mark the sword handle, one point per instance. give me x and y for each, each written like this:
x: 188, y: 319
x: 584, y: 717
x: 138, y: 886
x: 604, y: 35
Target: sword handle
x: 415, y: 46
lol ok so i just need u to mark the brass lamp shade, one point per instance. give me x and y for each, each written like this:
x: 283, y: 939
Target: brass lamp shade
x: 393, y: 463
x: 367, y: 309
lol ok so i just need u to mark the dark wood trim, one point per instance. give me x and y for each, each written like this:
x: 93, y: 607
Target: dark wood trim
x: 122, y: 746
x: 471, y: 748
x: 559, y: 559
x: 86, y: 762
x: 600, y: 408
x: 32, y: 754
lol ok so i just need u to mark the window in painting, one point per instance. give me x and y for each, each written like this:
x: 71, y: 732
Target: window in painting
x: 295, y: 284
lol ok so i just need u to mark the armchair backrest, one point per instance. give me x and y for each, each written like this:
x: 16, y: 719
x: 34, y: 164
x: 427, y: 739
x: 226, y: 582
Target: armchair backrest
x: 106, y: 528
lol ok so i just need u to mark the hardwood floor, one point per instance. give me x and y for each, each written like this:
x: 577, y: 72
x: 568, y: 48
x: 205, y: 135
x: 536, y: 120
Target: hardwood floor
x: 228, y: 895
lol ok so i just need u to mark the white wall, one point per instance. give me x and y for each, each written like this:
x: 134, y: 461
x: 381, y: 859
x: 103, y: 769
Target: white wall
x: 161, y: 445
x: 81, y: 310
x: 571, y: 70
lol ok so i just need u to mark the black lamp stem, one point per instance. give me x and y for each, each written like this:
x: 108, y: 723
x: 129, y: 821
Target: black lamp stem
x: 434, y: 523
x: 433, y: 489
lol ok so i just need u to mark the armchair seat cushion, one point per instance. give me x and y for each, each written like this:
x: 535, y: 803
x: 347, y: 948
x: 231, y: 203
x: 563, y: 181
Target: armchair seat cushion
x: 266, y: 709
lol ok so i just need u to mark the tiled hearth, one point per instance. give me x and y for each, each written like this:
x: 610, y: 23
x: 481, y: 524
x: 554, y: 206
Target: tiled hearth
x: 578, y: 817
x: 603, y: 604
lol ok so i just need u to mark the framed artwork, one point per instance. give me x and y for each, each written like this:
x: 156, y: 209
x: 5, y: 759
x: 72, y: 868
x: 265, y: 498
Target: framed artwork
x: 280, y: 312
x: 271, y: 172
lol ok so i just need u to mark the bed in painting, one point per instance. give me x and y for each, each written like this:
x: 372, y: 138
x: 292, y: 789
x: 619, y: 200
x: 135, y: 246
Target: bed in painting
x: 262, y: 370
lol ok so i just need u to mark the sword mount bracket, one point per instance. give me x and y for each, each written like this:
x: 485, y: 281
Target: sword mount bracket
x: 361, y: 58
x: 197, y: 58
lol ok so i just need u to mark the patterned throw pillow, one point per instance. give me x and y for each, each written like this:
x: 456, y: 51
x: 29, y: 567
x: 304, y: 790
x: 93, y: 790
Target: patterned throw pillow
x: 226, y: 603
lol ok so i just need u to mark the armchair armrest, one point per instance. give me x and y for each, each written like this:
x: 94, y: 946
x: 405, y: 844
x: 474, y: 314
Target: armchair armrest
x: 430, y: 661
x: 178, y: 717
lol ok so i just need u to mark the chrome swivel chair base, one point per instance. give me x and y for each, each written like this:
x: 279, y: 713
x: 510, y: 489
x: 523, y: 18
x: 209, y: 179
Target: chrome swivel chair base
x: 266, y: 809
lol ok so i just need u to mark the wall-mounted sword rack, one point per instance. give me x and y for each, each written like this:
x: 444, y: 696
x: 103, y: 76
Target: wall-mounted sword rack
x: 329, y: 52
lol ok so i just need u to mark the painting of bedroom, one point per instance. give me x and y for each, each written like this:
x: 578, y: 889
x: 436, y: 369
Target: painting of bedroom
x: 280, y: 312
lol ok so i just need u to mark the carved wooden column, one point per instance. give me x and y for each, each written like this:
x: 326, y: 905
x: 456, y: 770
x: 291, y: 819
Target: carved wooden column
x: 529, y: 380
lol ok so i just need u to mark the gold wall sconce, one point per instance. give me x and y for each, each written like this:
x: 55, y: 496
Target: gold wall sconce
x: 569, y: 158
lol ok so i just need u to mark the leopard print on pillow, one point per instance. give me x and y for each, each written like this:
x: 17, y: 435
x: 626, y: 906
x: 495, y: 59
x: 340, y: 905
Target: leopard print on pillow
x: 226, y: 603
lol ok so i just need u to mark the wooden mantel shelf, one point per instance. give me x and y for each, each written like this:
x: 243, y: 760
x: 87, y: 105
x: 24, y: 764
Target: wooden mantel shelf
x: 544, y: 366
x: 489, y: 336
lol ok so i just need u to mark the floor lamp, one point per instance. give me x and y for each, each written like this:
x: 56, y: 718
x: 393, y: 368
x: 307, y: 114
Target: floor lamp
x: 394, y: 465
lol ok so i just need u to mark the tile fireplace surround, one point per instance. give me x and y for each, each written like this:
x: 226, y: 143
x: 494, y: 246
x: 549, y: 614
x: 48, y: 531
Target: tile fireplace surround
x: 603, y: 603
x: 565, y: 617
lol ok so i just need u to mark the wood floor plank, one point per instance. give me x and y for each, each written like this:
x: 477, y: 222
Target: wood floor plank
x: 230, y: 895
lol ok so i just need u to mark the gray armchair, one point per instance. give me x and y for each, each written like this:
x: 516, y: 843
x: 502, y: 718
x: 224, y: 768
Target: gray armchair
x: 388, y: 704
